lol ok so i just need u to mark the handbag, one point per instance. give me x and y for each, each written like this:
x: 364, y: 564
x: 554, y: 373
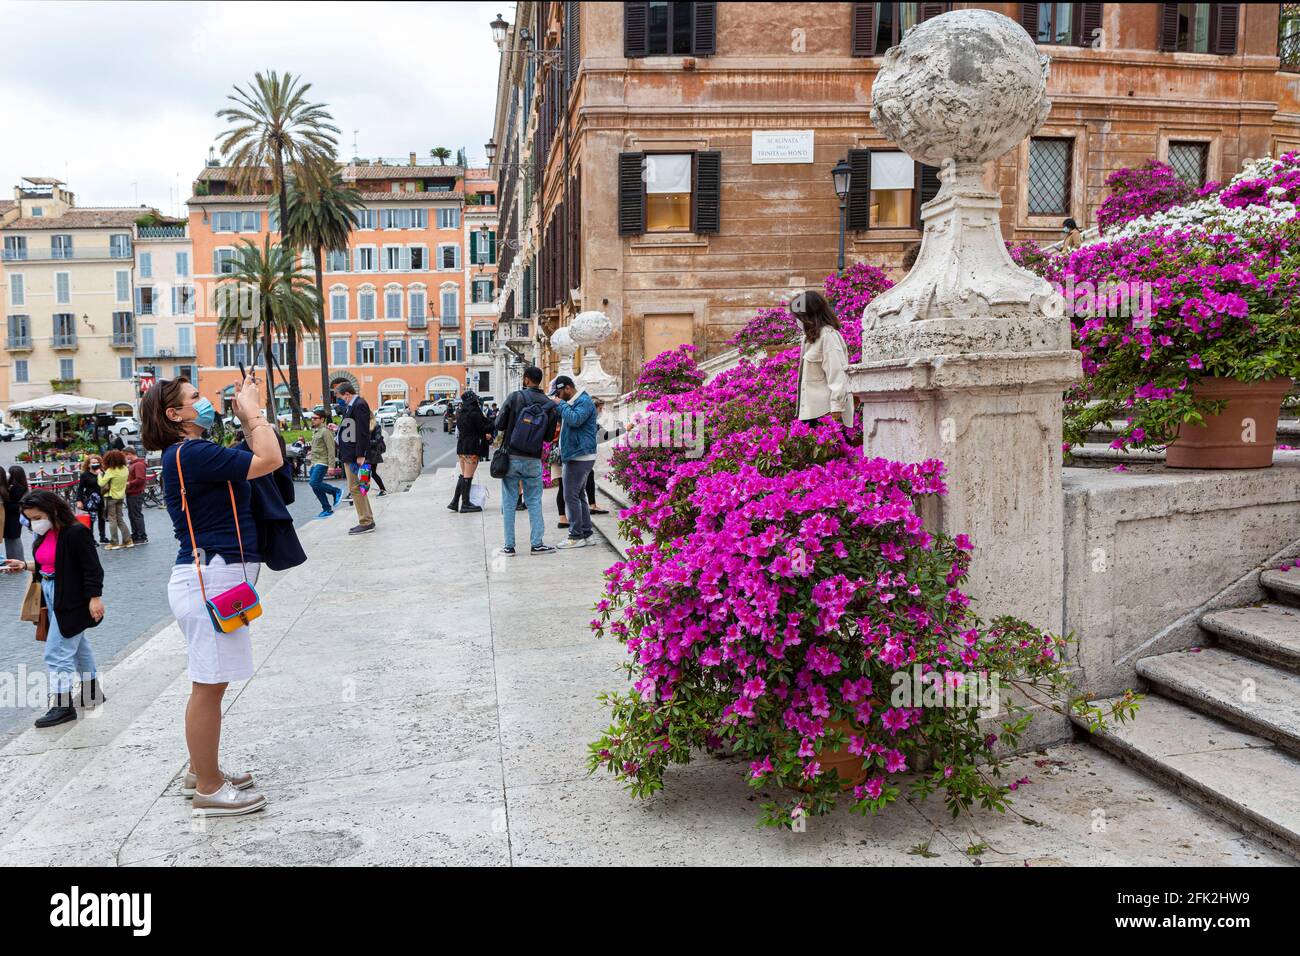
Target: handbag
x: 43, y: 625
x: 238, y: 606
x: 500, y: 466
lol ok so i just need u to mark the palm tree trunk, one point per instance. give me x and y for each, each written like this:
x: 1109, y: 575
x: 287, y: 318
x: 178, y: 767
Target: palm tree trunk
x: 295, y: 403
x: 284, y: 214
x: 322, y: 335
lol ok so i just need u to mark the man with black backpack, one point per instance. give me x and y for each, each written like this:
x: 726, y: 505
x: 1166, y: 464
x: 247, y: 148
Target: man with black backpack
x: 525, y: 421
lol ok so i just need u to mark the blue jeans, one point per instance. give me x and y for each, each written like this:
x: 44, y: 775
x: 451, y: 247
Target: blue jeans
x: 65, y: 656
x: 525, y: 474
x: 325, y: 492
x: 575, y: 497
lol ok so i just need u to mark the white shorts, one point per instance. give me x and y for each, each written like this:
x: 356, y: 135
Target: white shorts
x: 215, y: 658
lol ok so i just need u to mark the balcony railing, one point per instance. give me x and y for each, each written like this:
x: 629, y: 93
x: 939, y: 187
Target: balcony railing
x: 18, y: 342
x: 179, y: 351
x: 517, y: 331
x: 161, y: 232
x: 60, y: 255
x: 123, y: 340
x: 449, y: 322
x: 64, y: 340
x: 417, y: 322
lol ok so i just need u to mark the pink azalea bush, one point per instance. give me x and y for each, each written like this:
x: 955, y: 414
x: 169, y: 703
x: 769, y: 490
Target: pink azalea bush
x: 669, y: 373
x: 1152, y: 187
x: 775, y: 586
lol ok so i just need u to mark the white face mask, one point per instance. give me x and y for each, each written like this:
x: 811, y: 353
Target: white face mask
x: 41, y: 526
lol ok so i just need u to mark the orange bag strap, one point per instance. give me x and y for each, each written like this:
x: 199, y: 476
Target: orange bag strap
x: 194, y: 547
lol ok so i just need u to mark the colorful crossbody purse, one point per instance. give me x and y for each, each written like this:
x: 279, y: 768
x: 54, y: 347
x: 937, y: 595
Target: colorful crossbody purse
x: 236, y: 607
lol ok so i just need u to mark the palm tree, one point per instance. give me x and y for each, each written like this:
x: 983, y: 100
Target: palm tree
x: 276, y: 128
x: 321, y: 218
x: 441, y: 154
x: 265, y: 293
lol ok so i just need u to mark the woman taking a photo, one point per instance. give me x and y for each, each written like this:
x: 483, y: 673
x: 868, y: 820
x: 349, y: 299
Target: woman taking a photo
x: 68, y: 572
x: 208, y: 495
x: 823, y: 361
x: 473, y: 442
x: 112, y: 486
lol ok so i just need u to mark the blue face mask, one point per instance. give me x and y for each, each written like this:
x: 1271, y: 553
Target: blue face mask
x: 206, y: 414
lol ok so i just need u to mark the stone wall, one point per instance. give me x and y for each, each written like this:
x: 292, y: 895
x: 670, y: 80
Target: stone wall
x: 1146, y: 551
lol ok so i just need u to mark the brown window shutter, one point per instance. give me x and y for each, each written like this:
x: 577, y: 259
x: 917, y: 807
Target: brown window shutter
x: 572, y: 41
x: 858, y: 212
x: 635, y: 19
x: 929, y: 11
x: 1224, y: 38
x: 631, y: 194
x: 706, y: 198
x: 1029, y: 19
x: 1168, y: 26
x: 1087, y: 23
x: 706, y: 29
x: 927, y: 187
x: 864, y: 29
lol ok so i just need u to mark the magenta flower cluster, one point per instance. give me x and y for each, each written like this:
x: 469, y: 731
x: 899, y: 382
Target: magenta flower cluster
x: 1151, y: 187
x: 669, y: 373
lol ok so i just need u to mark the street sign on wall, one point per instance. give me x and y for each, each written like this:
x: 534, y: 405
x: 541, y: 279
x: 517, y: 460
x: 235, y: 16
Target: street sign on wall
x: 781, y: 146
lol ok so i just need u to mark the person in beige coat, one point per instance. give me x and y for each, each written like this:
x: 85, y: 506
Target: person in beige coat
x: 823, y: 361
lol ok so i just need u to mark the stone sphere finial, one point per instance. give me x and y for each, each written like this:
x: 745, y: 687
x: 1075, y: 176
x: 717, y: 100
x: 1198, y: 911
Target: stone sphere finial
x: 590, y: 328
x: 966, y: 86
x: 562, y: 342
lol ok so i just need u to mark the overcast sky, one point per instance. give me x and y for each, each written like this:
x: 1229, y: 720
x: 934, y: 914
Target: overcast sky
x: 119, y: 99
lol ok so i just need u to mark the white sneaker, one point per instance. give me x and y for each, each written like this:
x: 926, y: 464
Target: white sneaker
x: 227, y: 802
x: 569, y: 544
x: 240, y: 781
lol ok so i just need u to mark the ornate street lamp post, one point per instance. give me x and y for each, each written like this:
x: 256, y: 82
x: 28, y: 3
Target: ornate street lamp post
x: 842, y: 175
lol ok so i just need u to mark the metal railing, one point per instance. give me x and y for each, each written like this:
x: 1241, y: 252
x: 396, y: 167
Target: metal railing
x: 60, y: 255
x: 18, y: 342
x: 65, y: 340
x: 161, y: 232
x: 123, y: 340
x: 417, y: 322
x: 449, y: 322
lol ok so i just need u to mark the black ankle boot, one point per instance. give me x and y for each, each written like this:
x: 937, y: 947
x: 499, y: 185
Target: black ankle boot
x: 92, y: 695
x: 468, y: 506
x: 61, y: 711
x: 455, y: 499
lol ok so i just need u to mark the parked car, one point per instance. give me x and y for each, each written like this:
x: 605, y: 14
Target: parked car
x: 12, y: 433
x: 388, y: 413
x: 127, y: 427
x: 434, y: 407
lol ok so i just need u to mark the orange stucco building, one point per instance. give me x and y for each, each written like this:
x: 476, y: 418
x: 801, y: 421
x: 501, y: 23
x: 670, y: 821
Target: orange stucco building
x: 395, y: 299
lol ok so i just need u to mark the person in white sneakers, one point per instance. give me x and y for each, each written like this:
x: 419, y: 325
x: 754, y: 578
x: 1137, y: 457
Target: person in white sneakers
x: 208, y: 495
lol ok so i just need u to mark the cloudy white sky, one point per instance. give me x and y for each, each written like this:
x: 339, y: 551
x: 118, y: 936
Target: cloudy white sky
x: 118, y: 99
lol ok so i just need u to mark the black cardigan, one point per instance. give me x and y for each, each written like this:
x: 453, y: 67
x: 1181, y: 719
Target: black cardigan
x: 78, y: 577
x: 473, y: 431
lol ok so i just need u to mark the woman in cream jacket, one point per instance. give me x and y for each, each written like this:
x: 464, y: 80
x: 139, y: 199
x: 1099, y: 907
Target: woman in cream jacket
x: 823, y: 361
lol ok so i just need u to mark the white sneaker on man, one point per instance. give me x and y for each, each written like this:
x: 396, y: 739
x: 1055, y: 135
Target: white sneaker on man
x: 568, y: 544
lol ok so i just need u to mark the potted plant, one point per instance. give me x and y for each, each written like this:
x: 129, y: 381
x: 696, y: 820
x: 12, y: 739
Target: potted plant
x: 1188, y: 338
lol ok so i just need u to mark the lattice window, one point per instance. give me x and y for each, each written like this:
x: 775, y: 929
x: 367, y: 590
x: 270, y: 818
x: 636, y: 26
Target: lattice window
x: 1288, y: 37
x: 1189, y: 161
x: 1050, y: 172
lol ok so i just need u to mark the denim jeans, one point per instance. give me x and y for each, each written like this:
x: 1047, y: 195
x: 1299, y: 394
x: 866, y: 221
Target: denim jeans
x: 325, y: 492
x: 575, y: 497
x: 525, y: 474
x: 65, y: 656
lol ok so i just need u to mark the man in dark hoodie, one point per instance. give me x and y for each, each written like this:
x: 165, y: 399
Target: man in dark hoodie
x: 525, y: 421
x: 354, y: 449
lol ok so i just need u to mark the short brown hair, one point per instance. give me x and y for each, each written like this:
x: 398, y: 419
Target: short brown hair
x: 114, y: 459
x: 157, y: 431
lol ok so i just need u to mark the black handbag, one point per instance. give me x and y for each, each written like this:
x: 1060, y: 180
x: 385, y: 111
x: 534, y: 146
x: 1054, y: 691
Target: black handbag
x: 500, y: 466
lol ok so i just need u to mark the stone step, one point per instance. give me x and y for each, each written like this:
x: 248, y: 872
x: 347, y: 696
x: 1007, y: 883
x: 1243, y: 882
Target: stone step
x: 1285, y: 585
x: 1268, y: 633
x: 607, y: 524
x: 1241, y: 778
x: 1253, y: 696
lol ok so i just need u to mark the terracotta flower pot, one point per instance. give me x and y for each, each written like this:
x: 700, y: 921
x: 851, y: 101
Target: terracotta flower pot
x: 1241, y: 436
x: 848, y: 766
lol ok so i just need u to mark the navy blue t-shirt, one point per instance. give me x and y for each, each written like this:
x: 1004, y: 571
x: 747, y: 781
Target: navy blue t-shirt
x: 208, y: 467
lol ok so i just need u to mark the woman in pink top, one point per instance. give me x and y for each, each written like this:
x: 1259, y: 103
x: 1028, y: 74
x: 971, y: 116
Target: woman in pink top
x: 67, y: 568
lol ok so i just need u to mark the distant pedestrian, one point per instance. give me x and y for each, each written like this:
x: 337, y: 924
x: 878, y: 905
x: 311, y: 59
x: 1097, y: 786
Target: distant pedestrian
x: 209, y: 496
x: 577, y: 454
x: 376, y: 457
x: 112, y: 485
x: 823, y: 361
x: 354, y: 449
x: 137, y: 477
x: 88, y: 493
x: 324, y: 453
x: 1073, y: 237
x: 67, y: 570
x: 473, y: 444
x: 116, y: 443
x: 525, y: 421
x: 11, y: 493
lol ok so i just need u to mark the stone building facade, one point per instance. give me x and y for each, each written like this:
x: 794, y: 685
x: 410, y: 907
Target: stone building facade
x: 670, y: 164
